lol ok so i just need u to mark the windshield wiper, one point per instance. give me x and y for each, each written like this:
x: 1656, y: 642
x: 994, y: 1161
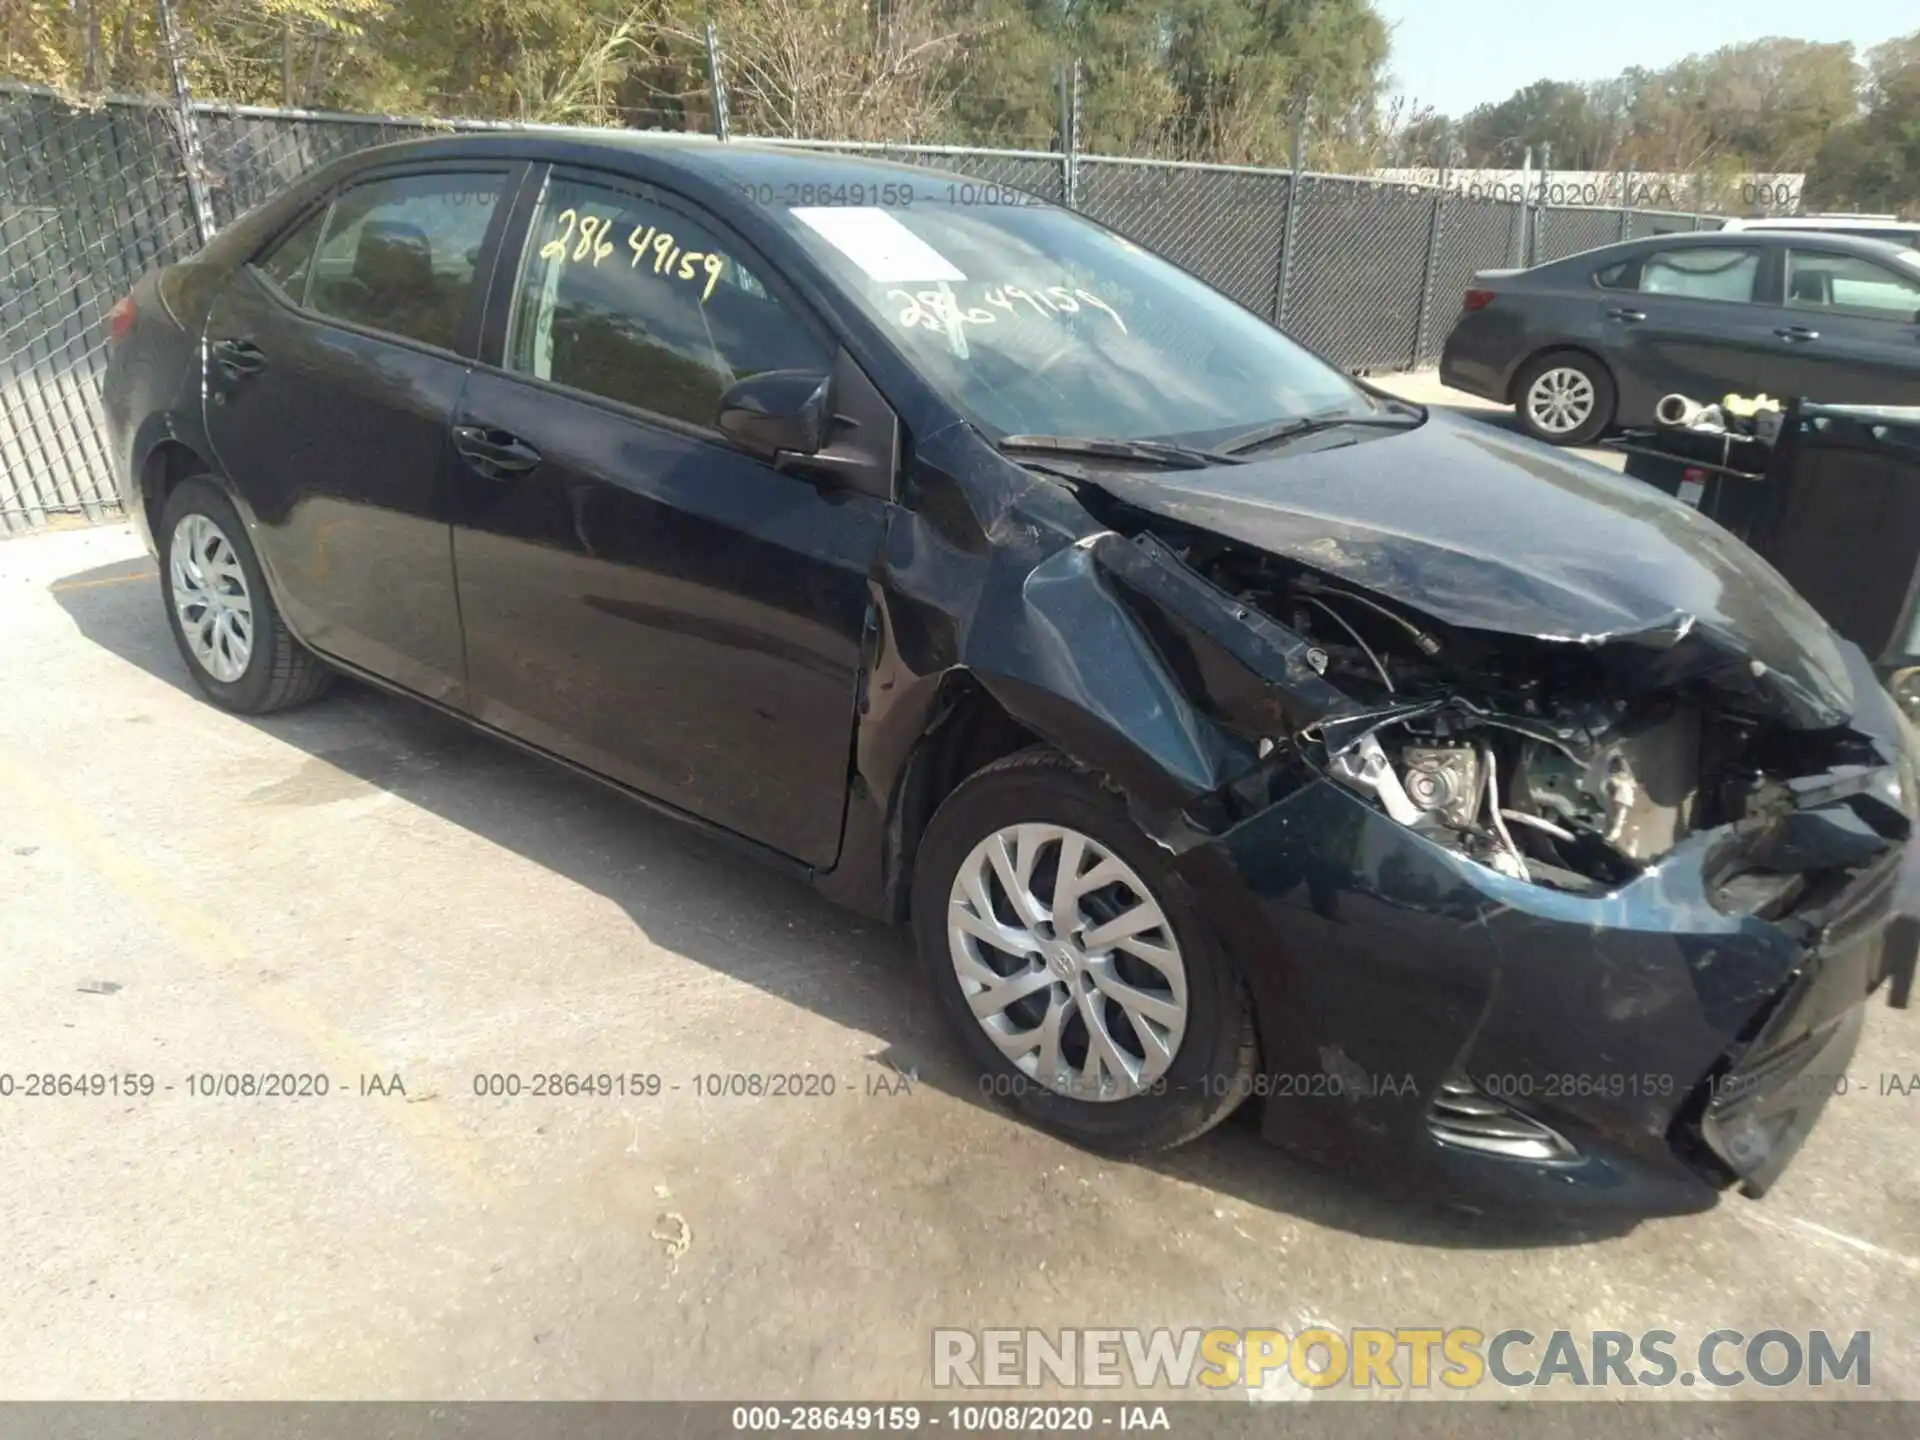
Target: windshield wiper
x: 1326, y: 420
x: 1159, y: 452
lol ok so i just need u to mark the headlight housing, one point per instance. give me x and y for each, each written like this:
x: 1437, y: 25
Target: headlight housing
x: 1906, y: 764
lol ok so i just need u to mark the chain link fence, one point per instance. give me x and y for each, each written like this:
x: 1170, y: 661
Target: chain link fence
x: 93, y: 195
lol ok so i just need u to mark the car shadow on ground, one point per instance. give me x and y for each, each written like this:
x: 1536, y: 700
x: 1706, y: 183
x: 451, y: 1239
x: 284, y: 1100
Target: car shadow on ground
x: 690, y: 894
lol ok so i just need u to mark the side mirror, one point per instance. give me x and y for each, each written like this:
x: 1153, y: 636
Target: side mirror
x: 776, y: 414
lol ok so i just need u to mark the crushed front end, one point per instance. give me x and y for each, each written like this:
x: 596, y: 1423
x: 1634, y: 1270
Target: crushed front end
x: 1531, y: 918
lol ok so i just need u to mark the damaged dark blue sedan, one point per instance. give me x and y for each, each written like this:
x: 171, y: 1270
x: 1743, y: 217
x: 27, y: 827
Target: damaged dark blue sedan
x: 1223, y: 727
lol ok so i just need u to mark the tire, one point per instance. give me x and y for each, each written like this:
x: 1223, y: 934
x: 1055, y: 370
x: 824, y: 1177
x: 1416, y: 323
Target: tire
x: 277, y: 671
x: 1566, y: 371
x: 1213, y: 1059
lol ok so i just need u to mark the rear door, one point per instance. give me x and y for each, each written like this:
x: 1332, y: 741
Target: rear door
x: 639, y: 595
x: 1685, y: 320
x: 333, y: 366
x: 1847, y: 331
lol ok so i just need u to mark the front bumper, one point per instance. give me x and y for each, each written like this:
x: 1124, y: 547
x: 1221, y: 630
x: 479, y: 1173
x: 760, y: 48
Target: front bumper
x: 1755, y: 1116
x: 1676, y: 1047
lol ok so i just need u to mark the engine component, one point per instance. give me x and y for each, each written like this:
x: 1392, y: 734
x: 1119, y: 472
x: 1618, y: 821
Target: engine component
x: 1446, y: 782
x: 1549, y: 784
x: 1636, y: 793
x: 1648, y: 779
x: 1364, y: 766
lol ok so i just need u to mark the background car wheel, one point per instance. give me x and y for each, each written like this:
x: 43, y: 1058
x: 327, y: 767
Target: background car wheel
x: 1073, y: 964
x: 1564, y: 398
x: 224, y: 621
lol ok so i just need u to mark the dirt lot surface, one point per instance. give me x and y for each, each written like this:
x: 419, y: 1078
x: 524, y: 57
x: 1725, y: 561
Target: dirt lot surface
x: 366, y: 892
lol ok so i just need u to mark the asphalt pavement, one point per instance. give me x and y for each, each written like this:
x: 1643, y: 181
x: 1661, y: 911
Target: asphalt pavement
x: 364, y: 897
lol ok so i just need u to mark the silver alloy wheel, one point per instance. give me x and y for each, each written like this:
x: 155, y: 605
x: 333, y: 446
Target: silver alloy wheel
x: 1068, y: 962
x: 210, y: 597
x: 1560, y: 400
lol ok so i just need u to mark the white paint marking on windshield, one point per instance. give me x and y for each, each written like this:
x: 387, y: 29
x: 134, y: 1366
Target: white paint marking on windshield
x: 878, y: 243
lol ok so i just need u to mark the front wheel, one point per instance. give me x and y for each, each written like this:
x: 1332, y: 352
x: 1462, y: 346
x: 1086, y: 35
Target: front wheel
x: 229, y: 631
x: 1072, y: 963
x: 1565, y: 398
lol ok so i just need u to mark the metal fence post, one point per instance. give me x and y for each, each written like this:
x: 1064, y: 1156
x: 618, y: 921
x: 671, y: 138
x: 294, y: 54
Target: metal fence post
x: 1423, y: 321
x: 1540, y: 225
x: 1290, y: 227
x: 1523, y: 216
x: 717, y: 83
x: 1070, y: 134
x: 188, y: 131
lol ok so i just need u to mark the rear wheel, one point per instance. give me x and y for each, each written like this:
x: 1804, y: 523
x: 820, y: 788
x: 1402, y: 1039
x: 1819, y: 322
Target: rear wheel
x: 1073, y: 965
x: 236, y: 646
x: 1564, y: 398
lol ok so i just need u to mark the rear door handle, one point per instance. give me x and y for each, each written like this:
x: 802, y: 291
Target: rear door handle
x: 239, y: 357
x: 494, y: 453
x: 1795, y: 334
x: 1622, y: 313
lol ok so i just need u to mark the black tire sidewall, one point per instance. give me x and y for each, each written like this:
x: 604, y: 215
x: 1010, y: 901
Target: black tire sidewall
x: 200, y: 496
x: 1208, y: 1061
x: 1605, y: 397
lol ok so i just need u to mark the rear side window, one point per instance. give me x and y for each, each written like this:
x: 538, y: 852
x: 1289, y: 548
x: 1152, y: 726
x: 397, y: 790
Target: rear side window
x: 629, y: 299
x: 287, y: 263
x: 1821, y: 280
x: 1706, y: 273
x: 400, y: 254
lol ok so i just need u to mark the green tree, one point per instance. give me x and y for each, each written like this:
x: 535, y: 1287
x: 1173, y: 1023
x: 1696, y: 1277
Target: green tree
x: 1873, y: 162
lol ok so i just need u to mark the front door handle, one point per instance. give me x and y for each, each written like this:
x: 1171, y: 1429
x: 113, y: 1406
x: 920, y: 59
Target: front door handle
x: 494, y: 453
x: 1622, y: 313
x: 1796, y: 334
x: 239, y: 357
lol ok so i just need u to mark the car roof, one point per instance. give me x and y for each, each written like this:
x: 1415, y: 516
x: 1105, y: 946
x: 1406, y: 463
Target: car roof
x: 1818, y: 222
x: 656, y: 153
x: 1698, y: 239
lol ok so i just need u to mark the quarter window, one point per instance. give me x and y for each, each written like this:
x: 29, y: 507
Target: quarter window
x: 631, y: 300
x: 1707, y: 273
x: 400, y: 254
x: 1819, y: 280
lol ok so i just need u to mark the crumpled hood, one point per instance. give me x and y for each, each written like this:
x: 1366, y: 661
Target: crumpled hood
x: 1490, y: 531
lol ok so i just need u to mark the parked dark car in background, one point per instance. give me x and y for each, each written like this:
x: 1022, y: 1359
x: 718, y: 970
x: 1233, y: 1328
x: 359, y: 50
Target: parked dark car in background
x: 1222, y: 726
x: 1592, y: 342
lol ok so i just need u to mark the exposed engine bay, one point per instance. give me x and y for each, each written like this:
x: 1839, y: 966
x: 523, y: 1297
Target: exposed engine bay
x: 1548, y: 762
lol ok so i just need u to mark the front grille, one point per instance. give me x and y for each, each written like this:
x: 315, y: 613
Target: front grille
x: 1466, y: 1117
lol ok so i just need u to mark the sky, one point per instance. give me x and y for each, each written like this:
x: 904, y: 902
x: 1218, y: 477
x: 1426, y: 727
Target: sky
x: 1455, y: 54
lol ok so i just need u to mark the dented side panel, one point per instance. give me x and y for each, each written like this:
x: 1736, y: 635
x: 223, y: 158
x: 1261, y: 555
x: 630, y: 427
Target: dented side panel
x: 1381, y: 960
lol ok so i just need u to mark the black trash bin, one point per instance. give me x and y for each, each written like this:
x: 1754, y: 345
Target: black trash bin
x: 1833, y: 503
x: 1839, y: 516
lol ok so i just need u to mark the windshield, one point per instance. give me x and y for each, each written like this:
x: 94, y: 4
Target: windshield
x: 1031, y: 320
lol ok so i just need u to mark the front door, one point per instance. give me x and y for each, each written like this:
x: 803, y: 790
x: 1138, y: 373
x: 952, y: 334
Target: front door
x: 1848, y: 334
x: 333, y: 366
x: 639, y: 595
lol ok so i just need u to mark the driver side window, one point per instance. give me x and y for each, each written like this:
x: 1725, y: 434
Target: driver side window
x: 631, y: 300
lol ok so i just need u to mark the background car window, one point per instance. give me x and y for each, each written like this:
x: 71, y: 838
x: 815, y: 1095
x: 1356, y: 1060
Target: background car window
x: 627, y: 299
x: 1824, y: 281
x: 286, y: 264
x: 1709, y: 273
x: 400, y: 254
